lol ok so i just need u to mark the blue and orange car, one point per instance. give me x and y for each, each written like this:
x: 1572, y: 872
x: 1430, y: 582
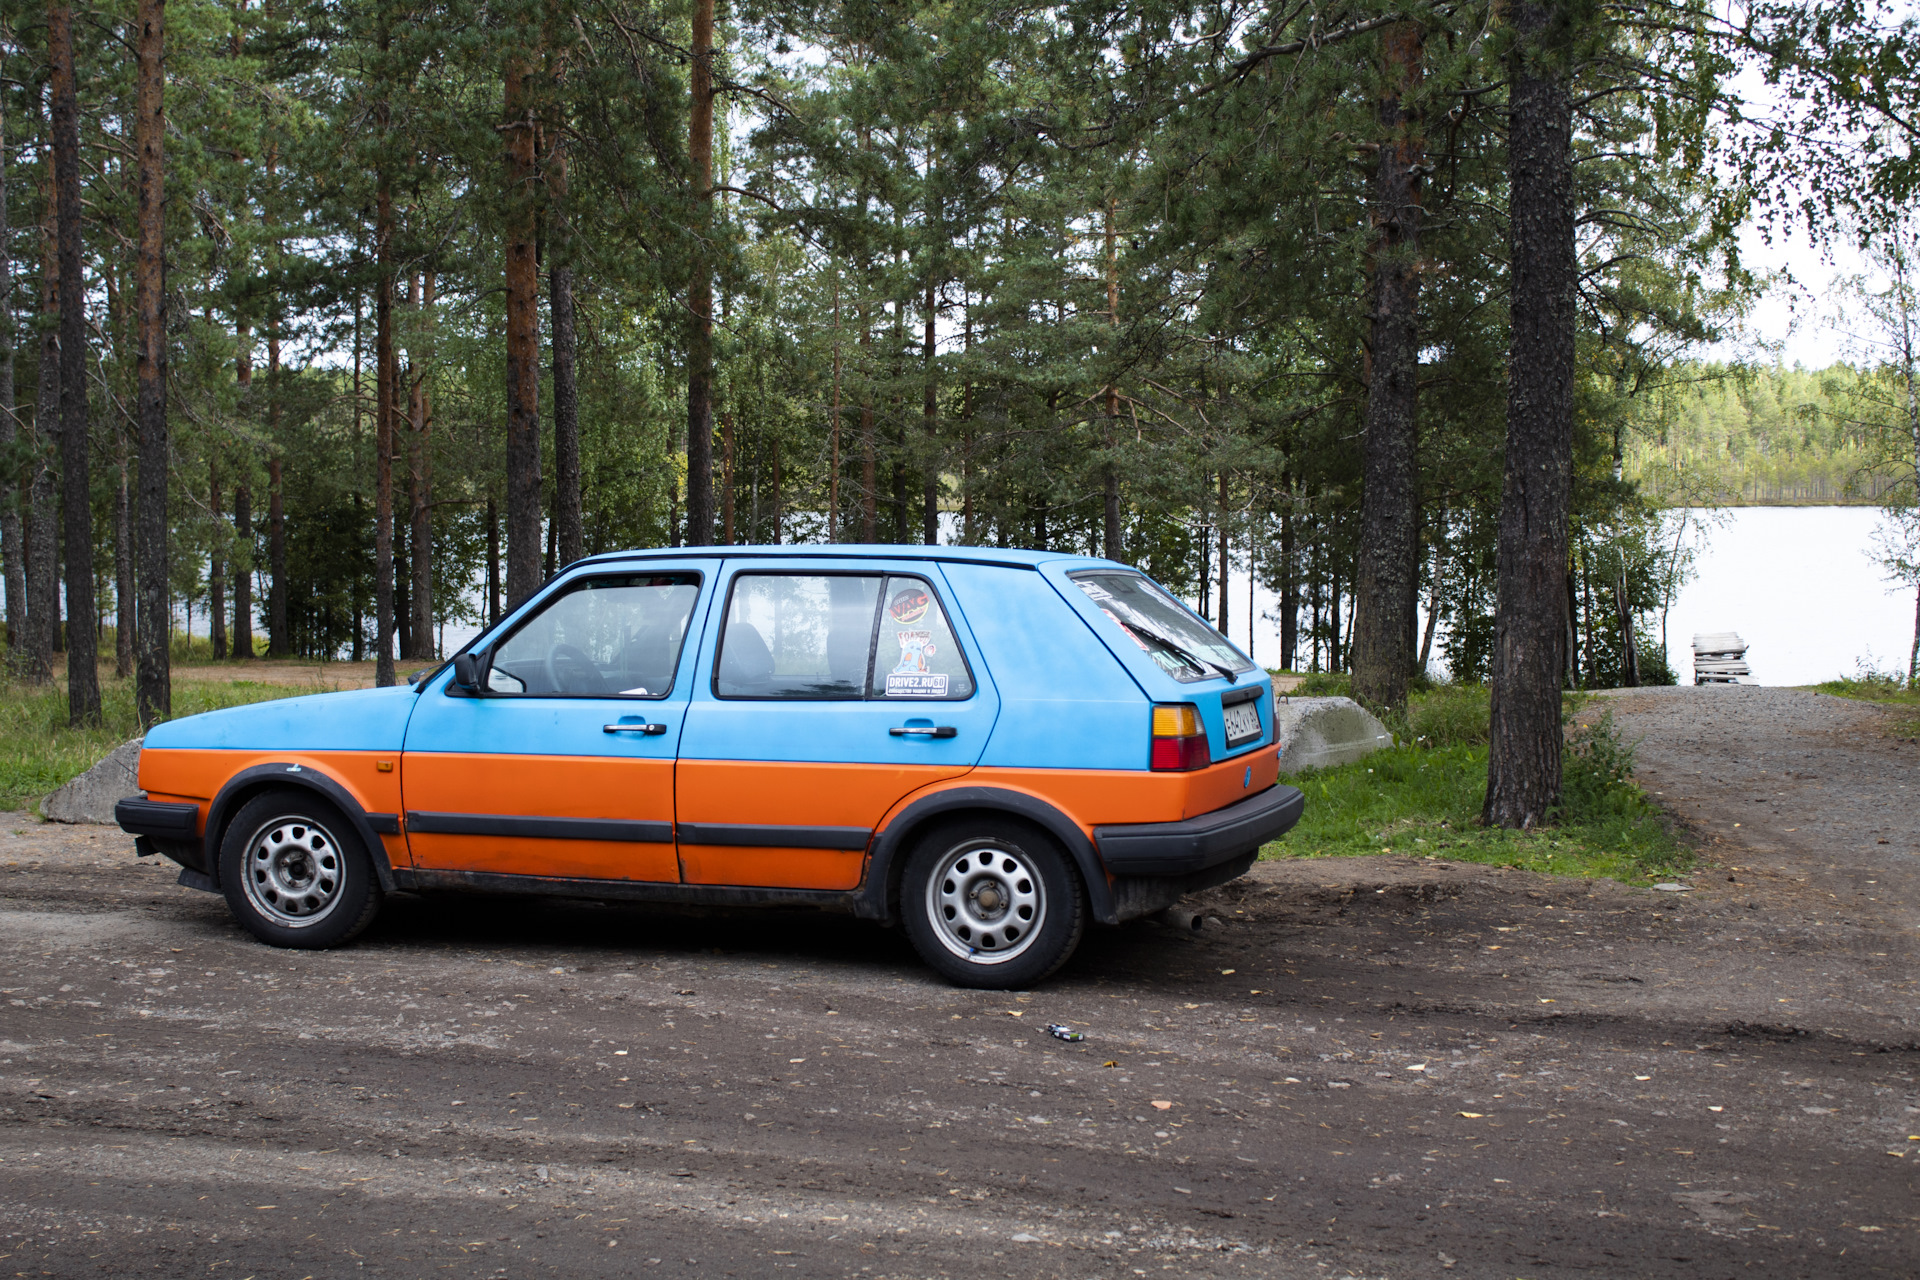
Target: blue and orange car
x: 987, y: 748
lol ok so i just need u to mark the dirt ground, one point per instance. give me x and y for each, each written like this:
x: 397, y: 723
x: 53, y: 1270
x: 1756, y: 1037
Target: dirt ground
x: 1368, y: 1067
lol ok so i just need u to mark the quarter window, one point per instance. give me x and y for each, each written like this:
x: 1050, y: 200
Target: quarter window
x: 605, y: 637
x: 916, y: 656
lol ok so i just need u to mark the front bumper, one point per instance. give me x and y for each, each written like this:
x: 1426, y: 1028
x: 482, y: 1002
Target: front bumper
x: 163, y: 826
x: 1195, y: 844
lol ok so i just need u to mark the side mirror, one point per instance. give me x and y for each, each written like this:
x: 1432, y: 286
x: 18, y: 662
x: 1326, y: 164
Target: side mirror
x: 466, y: 673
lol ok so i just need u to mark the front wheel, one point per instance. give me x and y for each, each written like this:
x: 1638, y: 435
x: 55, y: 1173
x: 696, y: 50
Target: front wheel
x: 992, y: 904
x: 294, y: 872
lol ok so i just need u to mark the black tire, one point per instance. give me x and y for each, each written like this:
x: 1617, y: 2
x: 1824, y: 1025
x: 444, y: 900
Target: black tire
x: 992, y: 904
x: 295, y: 872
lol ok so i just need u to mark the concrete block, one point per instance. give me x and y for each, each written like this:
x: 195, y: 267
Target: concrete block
x: 1317, y: 732
x: 91, y: 796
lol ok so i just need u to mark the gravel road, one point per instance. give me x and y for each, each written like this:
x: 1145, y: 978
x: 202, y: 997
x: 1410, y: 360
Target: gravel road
x: 1363, y: 1067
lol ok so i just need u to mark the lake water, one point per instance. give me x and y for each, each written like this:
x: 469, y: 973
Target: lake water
x: 1797, y: 583
x: 1800, y: 586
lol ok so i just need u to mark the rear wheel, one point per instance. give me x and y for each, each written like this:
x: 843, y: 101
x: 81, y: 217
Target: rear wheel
x: 295, y: 874
x: 992, y: 904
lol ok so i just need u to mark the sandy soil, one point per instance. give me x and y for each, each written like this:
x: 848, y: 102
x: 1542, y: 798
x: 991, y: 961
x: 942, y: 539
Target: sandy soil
x: 1365, y: 1067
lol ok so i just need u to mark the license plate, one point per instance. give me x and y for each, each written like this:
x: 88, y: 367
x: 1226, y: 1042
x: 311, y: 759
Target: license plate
x: 1243, y: 722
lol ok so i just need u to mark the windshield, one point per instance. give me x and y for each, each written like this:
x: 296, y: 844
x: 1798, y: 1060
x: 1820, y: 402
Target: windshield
x: 1180, y: 644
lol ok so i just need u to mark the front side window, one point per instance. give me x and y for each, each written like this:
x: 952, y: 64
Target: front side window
x: 1179, y: 643
x: 837, y: 636
x: 606, y: 637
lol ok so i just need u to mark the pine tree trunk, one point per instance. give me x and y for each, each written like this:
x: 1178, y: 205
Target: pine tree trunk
x: 216, y: 571
x: 1523, y: 770
x: 279, y: 642
x: 123, y: 623
x: 1226, y: 564
x: 13, y: 550
x: 42, y: 533
x: 242, y: 572
x: 153, y: 693
x: 1389, y: 505
x: 493, y: 562
x: 571, y: 536
x: 420, y: 476
x: 930, y: 414
x: 700, y: 289
x: 523, y: 338
x: 566, y: 418
x: 1110, y: 478
x: 833, y: 424
x: 83, y: 676
x: 1289, y: 587
x: 385, y: 374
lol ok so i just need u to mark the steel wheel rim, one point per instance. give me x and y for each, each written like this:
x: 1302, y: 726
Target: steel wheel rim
x: 293, y: 871
x: 987, y: 903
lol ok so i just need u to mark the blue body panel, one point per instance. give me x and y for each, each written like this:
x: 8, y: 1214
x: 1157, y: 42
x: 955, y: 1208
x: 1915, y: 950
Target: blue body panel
x: 837, y: 732
x: 1161, y: 687
x: 1066, y: 703
x: 353, y: 720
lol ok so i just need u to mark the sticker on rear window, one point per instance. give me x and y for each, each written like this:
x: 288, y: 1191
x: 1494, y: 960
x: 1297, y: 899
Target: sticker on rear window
x: 909, y: 606
x: 911, y: 679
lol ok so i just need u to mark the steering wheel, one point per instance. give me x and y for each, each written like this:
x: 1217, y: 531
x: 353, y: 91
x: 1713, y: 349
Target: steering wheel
x: 573, y: 660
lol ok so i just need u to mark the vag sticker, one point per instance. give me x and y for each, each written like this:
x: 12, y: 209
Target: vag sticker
x: 911, y: 679
x: 909, y: 606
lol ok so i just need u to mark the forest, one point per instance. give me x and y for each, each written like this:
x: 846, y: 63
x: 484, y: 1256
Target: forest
x: 1730, y: 435
x: 327, y: 324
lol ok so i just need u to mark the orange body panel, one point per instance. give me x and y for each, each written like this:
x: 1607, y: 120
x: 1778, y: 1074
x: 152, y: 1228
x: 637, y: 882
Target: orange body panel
x: 542, y: 787
x: 197, y: 774
x: 790, y: 794
x: 1101, y: 797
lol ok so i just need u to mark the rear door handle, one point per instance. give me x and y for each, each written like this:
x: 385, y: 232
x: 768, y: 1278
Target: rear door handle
x: 649, y: 729
x: 926, y: 731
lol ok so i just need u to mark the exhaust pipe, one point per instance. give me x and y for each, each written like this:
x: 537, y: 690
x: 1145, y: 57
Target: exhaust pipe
x: 1185, y: 919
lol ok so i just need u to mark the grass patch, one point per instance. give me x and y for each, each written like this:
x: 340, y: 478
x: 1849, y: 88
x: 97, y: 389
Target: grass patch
x: 1424, y: 801
x: 1886, y: 687
x: 39, y: 753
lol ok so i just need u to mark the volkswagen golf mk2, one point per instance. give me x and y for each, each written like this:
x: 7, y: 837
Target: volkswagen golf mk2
x: 988, y: 748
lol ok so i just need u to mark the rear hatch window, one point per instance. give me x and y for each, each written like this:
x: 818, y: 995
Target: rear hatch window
x: 1178, y: 642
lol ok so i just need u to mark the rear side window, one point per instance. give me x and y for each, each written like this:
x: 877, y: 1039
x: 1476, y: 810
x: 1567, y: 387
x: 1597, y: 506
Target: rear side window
x: 797, y: 635
x: 916, y: 656
x: 1179, y: 643
x: 837, y: 636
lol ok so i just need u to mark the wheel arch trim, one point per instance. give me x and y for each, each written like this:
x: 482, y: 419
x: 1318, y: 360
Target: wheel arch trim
x: 243, y: 785
x: 886, y: 859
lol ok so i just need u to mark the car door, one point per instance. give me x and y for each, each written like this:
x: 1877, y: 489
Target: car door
x: 562, y: 765
x: 829, y: 689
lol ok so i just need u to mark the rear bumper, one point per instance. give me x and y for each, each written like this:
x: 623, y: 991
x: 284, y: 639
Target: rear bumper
x: 1195, y: 844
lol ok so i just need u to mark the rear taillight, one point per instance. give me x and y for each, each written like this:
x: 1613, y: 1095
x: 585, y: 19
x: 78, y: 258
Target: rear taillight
x: 1179, y: 739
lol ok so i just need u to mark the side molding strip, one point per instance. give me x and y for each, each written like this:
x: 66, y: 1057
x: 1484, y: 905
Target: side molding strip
x: 774, y: 837
x: 499, y: 824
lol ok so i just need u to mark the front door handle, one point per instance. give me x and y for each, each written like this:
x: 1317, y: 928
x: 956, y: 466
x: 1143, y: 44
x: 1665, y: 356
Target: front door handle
x: 649, y: 729
x: 926, y: 731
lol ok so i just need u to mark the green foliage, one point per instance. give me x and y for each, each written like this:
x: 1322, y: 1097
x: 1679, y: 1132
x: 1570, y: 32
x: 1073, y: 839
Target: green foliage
x: 1448, y: 716
x: 39, y: 752
x: 1425, y: 802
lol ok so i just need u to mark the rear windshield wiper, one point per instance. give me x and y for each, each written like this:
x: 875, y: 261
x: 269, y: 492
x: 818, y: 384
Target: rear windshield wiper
x: 1181, y: 650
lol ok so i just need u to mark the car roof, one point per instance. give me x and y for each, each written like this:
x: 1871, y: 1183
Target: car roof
x: 1017, y: 558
